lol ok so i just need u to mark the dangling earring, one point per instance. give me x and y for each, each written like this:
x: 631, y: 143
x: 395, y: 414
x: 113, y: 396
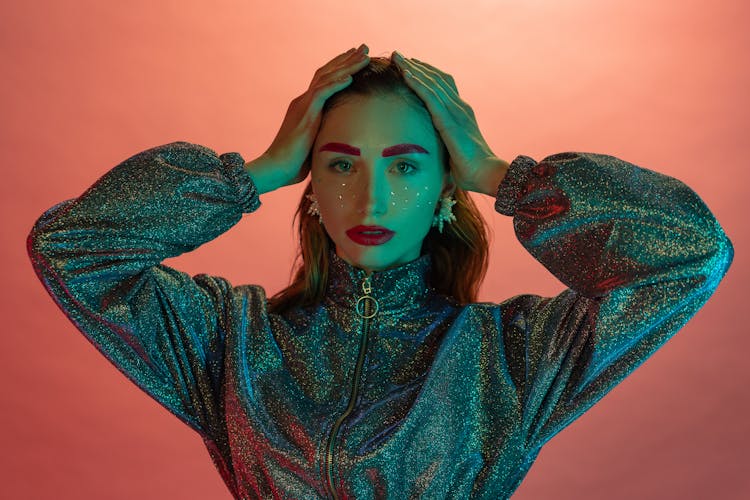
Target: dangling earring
x: 445, y: 214
x: 314, y: 209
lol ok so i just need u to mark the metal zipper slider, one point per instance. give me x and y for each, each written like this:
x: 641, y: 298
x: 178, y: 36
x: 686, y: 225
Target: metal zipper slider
x: 366, y: 288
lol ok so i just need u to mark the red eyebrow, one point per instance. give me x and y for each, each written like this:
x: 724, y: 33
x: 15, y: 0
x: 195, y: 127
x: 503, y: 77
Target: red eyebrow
x: 391, y: 151
x: 400, y: 149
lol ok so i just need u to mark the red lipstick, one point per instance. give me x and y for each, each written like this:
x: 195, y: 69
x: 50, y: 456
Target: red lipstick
x: 370, y: 235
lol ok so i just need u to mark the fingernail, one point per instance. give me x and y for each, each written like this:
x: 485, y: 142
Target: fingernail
x: 361, y: 48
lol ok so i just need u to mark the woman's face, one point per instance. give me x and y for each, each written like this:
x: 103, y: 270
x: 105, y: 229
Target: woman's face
x: 360, y: 178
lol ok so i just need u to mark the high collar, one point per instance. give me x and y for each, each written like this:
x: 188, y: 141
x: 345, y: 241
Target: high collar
x: 404, y: 286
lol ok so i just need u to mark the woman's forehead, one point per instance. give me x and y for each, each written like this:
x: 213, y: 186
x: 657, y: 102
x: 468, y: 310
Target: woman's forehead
x: 374, y: 124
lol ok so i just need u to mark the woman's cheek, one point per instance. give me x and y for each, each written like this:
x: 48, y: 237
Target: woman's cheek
x: 410, y: 198
x: 339, y: 197
x: 404, y: 199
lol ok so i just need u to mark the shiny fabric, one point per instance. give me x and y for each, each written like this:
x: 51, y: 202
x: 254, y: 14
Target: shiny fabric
x: 425, y: 399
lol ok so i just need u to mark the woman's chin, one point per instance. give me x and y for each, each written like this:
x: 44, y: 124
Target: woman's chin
x: 370, y: 258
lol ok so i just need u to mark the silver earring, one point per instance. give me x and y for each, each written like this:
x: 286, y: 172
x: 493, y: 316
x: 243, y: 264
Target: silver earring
x: 445, y: 214
x: 314, y: 209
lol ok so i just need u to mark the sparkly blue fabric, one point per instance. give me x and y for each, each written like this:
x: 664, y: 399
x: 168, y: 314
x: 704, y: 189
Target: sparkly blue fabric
x: 425, y: 399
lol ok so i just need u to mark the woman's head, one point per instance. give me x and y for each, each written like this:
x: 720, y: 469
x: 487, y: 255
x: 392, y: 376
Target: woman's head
x: 398, y: 191
x: 369, y: 185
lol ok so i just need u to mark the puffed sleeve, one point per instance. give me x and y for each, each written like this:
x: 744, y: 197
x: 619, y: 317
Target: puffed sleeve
x: 99, y: 257
x: 640, y: 253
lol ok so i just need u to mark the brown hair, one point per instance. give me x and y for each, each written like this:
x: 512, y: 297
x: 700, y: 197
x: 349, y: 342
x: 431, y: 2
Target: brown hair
x: 460, y: 252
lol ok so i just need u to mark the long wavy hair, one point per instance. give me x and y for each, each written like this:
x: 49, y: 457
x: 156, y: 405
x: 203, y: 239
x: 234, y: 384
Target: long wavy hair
x: 460, y: 253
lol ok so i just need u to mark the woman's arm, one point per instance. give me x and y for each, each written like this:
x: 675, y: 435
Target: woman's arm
x: 99, y: 256
x: 640, y: 252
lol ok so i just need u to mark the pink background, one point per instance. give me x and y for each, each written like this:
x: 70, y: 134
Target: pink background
x: 87, y: 84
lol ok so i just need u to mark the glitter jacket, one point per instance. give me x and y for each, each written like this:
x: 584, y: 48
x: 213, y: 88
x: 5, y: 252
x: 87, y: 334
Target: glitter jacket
x: 424, y: 398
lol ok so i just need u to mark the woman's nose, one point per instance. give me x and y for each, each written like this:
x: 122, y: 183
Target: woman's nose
x: 374, y: 194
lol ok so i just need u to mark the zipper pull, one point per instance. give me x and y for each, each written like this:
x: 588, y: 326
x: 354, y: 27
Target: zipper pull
x: 367, y: 288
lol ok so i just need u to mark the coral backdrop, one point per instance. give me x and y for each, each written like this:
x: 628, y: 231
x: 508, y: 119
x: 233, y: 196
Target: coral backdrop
x: 87, y: 84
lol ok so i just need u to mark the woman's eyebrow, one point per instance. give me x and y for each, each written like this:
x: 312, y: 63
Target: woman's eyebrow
x: 339, y: 147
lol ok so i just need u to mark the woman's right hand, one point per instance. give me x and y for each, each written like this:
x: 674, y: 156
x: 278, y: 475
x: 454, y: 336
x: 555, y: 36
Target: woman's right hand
x: 283, y: 163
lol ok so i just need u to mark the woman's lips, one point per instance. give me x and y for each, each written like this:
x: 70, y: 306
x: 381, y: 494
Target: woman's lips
x: 358, y: 235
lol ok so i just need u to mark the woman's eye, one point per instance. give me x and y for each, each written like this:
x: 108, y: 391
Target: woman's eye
x: 403, y: 167
x: 339, y: 162
x: 412, y: 167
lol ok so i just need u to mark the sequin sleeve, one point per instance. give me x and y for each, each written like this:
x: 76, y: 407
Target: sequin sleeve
x: 640, y: 252
x: 99, y: 257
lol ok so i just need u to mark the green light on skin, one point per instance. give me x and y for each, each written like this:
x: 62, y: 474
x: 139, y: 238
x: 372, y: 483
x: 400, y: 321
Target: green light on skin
x: 369, y: 189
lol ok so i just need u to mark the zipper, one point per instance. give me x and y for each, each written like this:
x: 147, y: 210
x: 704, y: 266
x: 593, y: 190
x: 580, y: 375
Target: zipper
x: 366, y: 314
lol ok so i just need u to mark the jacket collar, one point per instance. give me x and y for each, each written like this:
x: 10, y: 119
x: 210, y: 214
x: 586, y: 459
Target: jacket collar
x: 400, y: 287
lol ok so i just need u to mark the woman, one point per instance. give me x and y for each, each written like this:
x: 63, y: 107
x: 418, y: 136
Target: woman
x: 376, y: 374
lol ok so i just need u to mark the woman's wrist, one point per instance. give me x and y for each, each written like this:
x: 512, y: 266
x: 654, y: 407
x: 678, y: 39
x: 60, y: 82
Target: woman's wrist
x: 494, y: 175
x: 259, y: 170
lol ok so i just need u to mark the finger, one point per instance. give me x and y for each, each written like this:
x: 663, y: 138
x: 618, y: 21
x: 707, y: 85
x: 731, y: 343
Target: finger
x: 445, y: 76
x: 429, y: 87
x: 427, y: 80
x: 342, y: 55
x: 439, y: 76
x: 350, y: 58
x: 420, y: 83
x: 445, y: 109
x: 355, y: 53
x: 336, y: 60
x: 448, y: 88
x: 337, y: 80
x: 350, y: 64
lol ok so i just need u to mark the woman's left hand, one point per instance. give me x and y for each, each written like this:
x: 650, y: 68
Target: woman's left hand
x: 473, y: 164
